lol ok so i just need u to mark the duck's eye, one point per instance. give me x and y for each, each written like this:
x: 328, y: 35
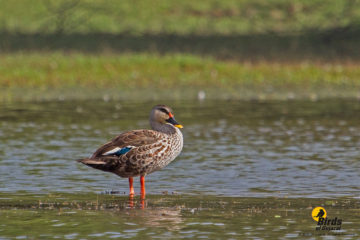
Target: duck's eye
x: 164, y: 110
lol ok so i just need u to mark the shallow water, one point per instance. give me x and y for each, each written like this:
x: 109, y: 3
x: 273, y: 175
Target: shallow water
x: 245, y: 149
x: 90, y: 216
x: 236, y: 152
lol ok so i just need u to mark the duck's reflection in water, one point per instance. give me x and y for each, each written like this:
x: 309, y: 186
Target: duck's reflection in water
x: 132, y: 204
x: 154, y: 216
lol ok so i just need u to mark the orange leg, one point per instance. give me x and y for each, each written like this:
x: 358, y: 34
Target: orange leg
x: 132, y: 192
x: 142, y: 182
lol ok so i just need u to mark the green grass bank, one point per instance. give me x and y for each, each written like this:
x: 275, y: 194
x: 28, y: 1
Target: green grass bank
x: 82, y: 76
x: 86, y: 49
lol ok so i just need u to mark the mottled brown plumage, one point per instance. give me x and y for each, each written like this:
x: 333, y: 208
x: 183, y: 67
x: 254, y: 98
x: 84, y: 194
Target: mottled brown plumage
x: 141, y: 152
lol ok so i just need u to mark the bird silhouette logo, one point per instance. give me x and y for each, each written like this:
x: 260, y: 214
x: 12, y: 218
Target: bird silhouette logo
x: 318, y: 212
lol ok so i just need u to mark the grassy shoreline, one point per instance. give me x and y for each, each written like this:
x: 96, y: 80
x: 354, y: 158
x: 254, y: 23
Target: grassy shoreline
x: 57, y: 75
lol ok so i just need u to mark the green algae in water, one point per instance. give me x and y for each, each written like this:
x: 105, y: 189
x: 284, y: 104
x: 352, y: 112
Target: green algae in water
x: 93, y: 216
x: 262, y: 168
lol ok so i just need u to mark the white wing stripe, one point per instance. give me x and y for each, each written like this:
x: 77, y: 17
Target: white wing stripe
x: 112, y: 151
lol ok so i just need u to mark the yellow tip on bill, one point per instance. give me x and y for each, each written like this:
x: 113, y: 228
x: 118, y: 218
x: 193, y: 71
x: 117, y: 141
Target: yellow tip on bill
x: 178, y: 126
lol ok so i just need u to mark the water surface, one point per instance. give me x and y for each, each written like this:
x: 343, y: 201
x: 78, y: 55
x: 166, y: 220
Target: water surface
x: 94, y: 216
x: 248, y: 169
x: 244, y: 149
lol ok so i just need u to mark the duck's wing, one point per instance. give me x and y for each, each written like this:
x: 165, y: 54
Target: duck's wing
x: 123, y: 153
x: 127, y: 141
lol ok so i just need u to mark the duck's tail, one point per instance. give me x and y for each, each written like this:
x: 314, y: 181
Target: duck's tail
x: 106, y: 163
x: 91, y: 161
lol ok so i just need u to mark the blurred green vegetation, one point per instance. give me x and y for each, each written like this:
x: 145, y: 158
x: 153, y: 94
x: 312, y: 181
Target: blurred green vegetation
x: 134, y: 71
x: 177, y: 17
x: 275, y: 30
x: 178, y: 76
x: 259, y: 46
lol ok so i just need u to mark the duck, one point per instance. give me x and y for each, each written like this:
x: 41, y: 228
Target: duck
x: 140, y: 152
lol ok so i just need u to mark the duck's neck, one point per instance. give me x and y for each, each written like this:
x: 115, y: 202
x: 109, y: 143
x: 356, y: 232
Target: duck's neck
x: 165, y: 128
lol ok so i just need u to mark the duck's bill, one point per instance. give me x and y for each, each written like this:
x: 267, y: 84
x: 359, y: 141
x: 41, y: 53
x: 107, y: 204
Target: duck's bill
x: 174, y: 122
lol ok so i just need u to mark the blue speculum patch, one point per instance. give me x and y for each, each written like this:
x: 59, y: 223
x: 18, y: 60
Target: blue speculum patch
x: 122, y: 151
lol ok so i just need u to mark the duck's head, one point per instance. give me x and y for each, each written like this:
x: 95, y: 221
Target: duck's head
x: 164, y: 115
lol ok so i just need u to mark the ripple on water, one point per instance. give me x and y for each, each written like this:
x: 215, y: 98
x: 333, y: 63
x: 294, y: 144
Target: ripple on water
x: 260, y: 149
